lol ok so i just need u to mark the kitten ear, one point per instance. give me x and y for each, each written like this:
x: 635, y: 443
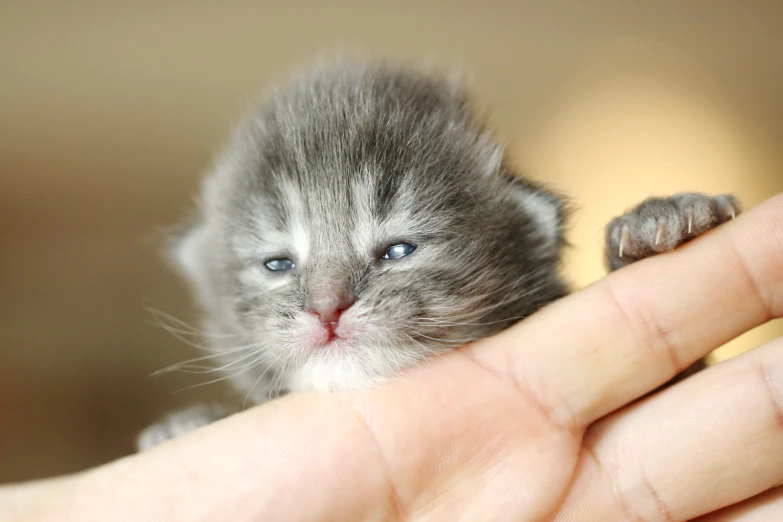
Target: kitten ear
x: 547, y: 210
x: 184, y: 245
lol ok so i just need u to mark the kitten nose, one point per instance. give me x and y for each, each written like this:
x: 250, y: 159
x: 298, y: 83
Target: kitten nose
x: 330, y: 307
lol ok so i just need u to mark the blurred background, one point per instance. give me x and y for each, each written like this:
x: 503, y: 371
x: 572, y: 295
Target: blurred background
x: 111, y: 111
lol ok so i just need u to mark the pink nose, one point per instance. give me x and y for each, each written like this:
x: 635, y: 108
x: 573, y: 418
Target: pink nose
x: 330, y: 307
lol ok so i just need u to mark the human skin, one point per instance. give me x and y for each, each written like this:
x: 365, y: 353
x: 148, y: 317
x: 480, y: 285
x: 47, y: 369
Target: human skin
x: 540, y: 422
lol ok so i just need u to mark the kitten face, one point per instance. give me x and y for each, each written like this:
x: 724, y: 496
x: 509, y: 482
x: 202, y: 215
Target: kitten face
x: 359, y: 222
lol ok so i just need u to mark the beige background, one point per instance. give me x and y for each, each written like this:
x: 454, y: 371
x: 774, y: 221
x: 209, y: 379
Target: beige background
x: 110, y: 112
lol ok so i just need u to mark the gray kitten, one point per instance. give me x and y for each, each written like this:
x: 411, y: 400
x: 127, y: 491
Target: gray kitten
x: 364, y: 219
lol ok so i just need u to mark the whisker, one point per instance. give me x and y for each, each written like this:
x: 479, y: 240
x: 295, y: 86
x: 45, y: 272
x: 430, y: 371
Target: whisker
x: 184, y: 327
x: 225, y: 377
x: 234, y: 350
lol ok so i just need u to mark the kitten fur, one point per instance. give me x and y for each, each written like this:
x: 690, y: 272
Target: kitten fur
x: 329, y: 172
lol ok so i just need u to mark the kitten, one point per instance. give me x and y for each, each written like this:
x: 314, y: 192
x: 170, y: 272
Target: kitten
x: 364, y: 219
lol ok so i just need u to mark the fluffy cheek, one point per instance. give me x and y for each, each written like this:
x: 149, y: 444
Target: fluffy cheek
x: 417, y: 314
x: 360, y: 325
x: 293, y: 335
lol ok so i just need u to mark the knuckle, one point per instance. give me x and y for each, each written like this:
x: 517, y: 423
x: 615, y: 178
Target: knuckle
x: 643, y: 324
x: 635, y: 494
x: 762, y: 293
x: 772, y: 390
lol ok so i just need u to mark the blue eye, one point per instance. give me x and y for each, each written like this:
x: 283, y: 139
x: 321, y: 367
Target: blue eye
x: 280, y: 265
x: 399, y: 250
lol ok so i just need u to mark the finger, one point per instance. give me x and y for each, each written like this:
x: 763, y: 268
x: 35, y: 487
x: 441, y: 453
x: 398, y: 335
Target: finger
x: 26, y: 500
x: 637, y: 328
x: 302, y: 457
x: 761, y: 508
x: 711, y: 441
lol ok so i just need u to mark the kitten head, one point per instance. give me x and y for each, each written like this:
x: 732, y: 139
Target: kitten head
x: 360, y: 221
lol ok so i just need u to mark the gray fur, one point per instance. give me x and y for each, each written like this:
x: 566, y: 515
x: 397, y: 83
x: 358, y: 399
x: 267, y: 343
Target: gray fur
x: 329, y: 172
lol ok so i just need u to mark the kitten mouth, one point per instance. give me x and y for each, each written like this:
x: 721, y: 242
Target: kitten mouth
x: 331, y: 334
x: 328, y: 336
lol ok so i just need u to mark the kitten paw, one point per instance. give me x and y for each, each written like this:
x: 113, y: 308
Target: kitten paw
x: 662, y: 224
x: 179, y: 423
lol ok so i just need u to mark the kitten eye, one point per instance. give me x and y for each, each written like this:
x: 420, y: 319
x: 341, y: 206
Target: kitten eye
x: 280, y: 265
x: 399, y: 250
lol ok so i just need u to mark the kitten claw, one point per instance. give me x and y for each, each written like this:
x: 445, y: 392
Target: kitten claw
x: 659, y: 233
x: 690, y: 221
x: 624, y: 237
x: 728, y: 207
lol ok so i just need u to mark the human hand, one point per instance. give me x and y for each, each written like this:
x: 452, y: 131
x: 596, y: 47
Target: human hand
x: 536, y: 423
